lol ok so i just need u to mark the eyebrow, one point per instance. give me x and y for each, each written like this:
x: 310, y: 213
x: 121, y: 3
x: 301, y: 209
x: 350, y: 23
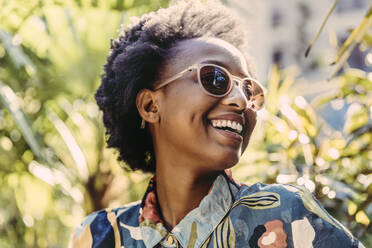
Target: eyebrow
x: 220, y: 63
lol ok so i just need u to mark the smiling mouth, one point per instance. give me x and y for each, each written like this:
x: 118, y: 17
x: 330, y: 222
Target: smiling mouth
x: 228, y: 126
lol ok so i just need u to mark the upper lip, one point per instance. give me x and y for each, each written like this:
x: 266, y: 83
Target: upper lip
x: 231, y: 117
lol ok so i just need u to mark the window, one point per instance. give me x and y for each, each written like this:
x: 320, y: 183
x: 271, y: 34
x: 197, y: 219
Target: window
x: 276, y: 18
x: 348, y: 5
x: 277, y: 58
x: 358, y: 4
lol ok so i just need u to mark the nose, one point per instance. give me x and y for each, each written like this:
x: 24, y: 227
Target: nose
x: 236, y: 98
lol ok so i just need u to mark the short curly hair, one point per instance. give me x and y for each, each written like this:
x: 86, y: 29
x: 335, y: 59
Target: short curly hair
x: 137, y: 56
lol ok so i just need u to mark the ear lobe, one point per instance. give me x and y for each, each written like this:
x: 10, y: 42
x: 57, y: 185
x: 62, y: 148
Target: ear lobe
x: 147, y: 106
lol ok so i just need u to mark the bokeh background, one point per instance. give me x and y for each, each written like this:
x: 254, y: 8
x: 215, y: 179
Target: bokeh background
x: 55, y: 169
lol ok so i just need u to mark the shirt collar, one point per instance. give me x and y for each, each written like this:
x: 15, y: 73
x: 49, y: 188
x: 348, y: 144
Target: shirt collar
x: 198, y: 224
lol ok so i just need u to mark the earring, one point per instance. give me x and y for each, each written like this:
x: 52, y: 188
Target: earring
x: 143, y: 123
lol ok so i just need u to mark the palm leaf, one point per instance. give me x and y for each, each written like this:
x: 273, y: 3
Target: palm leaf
x: 71, y: 143
x: 10, y: 101
x: 356, y: 36
x: 18, y: 57
x: 321, y: 28
x: 368, y: 39
x: 71, y: 25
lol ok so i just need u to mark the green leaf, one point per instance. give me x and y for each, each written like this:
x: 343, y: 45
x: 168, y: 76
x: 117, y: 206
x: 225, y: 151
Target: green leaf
x: 18, y: 57
x: 10, y: 101
x: 321, y: 27
x: 33, y: 196
x: 356, y: 118
x: 71, y: 143
x: 354, y: 38
x: 368, y: 39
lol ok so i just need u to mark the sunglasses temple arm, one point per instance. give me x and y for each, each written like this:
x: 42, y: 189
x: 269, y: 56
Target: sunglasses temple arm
x: 178, y: 75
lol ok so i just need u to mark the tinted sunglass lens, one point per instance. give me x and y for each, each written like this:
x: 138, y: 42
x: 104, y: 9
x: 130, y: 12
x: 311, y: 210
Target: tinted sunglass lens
x: 214, y: 80
x: 254, y: 93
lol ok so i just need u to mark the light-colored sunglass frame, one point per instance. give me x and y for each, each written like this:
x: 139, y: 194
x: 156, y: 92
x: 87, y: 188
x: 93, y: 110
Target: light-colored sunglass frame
x: 232, y: 77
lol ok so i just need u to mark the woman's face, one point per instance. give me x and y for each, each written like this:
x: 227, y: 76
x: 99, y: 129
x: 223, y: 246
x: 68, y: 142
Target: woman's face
x: 186, y: 113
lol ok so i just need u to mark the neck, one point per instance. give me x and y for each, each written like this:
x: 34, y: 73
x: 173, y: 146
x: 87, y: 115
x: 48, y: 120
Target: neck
x: 179, y: 191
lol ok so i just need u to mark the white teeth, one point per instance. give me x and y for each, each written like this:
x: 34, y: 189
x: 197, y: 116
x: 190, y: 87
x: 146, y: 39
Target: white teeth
x: 239, y: 127
x: 227, y: 123
x: 234, y: 124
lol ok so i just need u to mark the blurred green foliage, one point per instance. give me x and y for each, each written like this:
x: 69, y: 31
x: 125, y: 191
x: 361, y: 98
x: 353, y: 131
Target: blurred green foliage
x: 55, y: 169
x: 295, y: 145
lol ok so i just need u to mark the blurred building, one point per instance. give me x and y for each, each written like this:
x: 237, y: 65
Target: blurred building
x: 281, y: 30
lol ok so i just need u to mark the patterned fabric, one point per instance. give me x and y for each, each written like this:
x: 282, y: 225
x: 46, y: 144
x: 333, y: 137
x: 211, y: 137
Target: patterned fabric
x: 231, y: 215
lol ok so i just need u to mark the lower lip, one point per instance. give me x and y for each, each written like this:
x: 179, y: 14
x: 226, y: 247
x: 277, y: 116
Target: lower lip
x: 233, y: 136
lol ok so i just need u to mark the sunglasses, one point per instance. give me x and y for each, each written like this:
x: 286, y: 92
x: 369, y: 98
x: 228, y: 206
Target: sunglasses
x: 216, y: 81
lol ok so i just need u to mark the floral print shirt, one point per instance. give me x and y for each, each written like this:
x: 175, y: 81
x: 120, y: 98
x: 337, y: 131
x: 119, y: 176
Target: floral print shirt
x: 231, y: 215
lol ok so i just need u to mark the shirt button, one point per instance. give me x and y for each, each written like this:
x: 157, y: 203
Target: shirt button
x: 170, y: 240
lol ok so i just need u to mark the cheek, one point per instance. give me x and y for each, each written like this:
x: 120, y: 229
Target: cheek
x: 252, y: 120
x: 186, y: 108
x: 189, y: 100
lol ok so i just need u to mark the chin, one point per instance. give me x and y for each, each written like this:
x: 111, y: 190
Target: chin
x: 226, y: 161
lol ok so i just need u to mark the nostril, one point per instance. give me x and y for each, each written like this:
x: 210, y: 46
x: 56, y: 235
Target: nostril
x: 234, y: 104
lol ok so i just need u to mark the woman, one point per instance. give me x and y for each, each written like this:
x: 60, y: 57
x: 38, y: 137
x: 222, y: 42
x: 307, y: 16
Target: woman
x: 179, y: 100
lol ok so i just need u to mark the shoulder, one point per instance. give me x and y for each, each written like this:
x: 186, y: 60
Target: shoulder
x: 298, y: 210
x: 102, y: 228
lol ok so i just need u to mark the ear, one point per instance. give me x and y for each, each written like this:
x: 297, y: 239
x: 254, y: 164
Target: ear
x: 147, y: 105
